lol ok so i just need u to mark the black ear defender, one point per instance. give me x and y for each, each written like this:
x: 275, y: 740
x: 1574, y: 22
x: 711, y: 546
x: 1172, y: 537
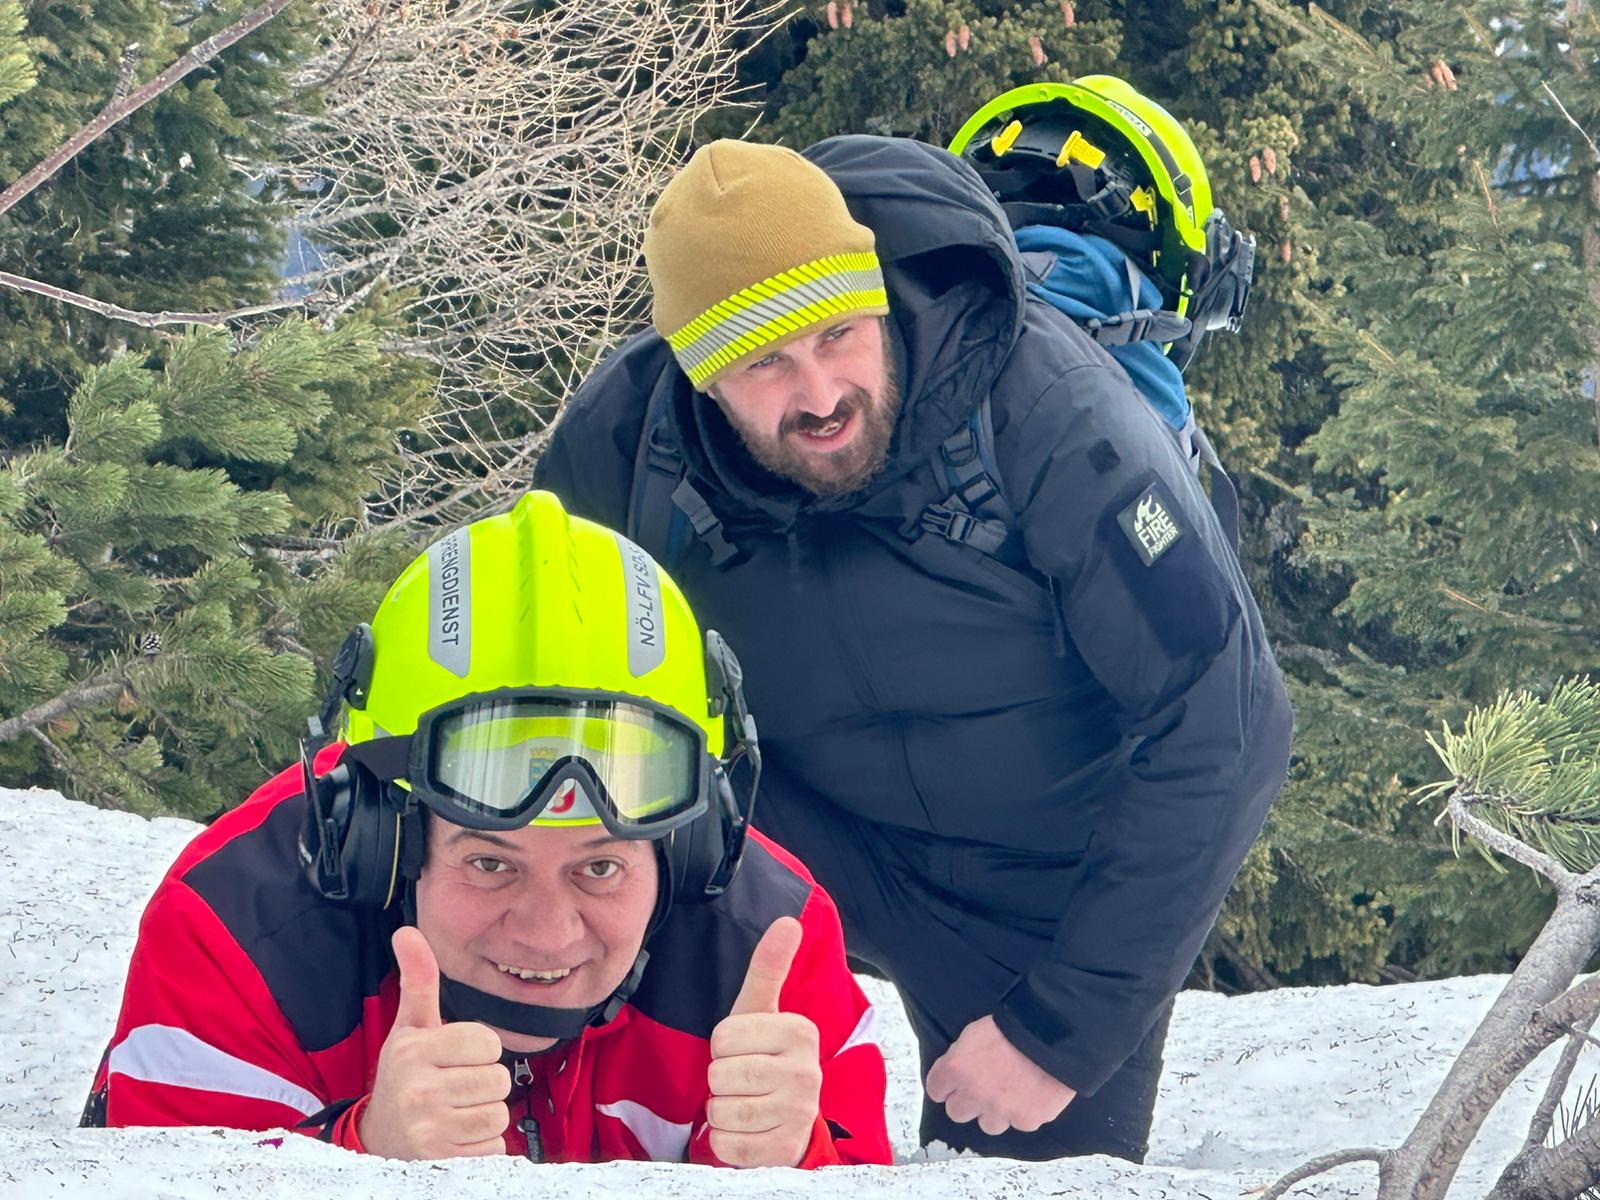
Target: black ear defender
x: 351, y: 837
x: 704, y: 856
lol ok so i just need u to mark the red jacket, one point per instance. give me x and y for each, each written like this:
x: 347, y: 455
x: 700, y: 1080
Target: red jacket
x: 255, y: 1003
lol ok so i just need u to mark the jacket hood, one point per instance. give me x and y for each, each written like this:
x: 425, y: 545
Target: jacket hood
x: 956, y: 298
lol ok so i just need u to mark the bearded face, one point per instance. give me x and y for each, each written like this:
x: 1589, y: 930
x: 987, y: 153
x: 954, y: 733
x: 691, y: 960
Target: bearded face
x: 819, y: 410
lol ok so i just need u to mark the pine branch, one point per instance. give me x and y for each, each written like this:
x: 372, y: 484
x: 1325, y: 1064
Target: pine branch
x: 82, y: 780
x: 1296, y: 490
x: 1518, y: 619
x: 87, y: 693
x: 1505, y: 844
x: 285, y: 541
x: 146, y: 320
x: 1594, y: 150
x: 119, y: 110
x: 1591, y: 236
x: 1256, y: 978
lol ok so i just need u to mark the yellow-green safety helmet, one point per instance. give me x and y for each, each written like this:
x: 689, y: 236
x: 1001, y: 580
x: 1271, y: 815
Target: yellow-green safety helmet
x: 1098, y: 156
x: 537, y: 668
x: 533, y: 598
x: 529, y: 668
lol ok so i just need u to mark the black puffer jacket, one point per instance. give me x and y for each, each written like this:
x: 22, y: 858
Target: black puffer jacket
x: 1125, y: 721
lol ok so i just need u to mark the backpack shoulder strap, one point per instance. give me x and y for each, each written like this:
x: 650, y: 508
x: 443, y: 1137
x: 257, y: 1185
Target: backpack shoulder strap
x: 975, y: 512
x: 664, y: 508
x: 1119, y: 329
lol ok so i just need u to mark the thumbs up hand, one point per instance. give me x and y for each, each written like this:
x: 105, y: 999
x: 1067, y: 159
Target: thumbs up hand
x: 765, y: 1076
x: 440, y: 1090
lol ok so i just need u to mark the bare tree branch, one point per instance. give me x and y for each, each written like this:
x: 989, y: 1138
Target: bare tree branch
x: 87, y: 693
x: 147, y: 320
x: 1325, y: 1163
x: 498, y: 164
x: 1544, y: 1116
x: 119, y: 110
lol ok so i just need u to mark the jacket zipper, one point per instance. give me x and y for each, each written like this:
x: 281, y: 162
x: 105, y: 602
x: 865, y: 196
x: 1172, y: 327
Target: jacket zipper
x: 522, y: 1076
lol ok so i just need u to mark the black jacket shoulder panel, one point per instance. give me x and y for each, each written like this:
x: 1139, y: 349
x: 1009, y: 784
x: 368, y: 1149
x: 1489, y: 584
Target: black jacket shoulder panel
x: 699, y: 956
x: 320, y: 959
x: 590, y: 457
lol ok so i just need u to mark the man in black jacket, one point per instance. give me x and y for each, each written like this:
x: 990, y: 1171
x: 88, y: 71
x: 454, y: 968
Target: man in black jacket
x: 1027, y: 779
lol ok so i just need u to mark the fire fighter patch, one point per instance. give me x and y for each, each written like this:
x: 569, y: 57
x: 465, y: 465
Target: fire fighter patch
x: 1169, y: 576
x: 1151, y: 523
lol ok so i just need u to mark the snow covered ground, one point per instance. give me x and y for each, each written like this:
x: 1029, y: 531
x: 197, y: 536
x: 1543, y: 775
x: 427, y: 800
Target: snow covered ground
x: 1253, y: 1085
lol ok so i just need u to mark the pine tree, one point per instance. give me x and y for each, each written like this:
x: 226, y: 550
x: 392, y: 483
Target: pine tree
x: 175, y: 559
x: 167, y: 210
x: 1452, y: 533
x: 921, y: 69
x: 16, y: 65
x: 166, y: 593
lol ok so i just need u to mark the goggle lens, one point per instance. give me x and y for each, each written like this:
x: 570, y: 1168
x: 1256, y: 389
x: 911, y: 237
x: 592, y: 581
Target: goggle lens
x: 562, y: 761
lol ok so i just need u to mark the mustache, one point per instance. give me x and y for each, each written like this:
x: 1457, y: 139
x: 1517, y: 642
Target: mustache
x: 804, y: 421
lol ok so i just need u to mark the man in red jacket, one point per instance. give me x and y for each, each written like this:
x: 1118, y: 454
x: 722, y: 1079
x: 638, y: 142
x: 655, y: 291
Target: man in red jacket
x: 516, y: 912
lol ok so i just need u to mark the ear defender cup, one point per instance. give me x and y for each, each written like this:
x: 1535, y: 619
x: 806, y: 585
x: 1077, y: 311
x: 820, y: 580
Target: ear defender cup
x: 696, y: 852
x: 350, y: 839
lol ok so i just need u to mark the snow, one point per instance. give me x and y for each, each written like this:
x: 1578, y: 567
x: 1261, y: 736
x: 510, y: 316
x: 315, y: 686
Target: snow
x: 1253, y: 1085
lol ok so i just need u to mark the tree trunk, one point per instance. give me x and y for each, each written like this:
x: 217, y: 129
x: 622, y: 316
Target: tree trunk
x: 1498, y: 1051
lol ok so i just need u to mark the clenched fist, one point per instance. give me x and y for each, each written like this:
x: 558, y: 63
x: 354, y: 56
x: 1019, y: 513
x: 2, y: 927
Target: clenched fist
x: 440, y: 1090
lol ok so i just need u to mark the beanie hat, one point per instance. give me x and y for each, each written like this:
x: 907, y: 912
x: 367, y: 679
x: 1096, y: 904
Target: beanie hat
x: 751, y: 246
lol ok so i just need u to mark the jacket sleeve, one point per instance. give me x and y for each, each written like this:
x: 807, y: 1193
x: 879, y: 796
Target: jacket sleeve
x: 200, y: 1039
x: 851, y: 1126
x: 1153, y: 599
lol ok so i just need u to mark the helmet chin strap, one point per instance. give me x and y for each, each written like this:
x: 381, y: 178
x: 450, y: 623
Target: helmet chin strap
x: 463, y: 1003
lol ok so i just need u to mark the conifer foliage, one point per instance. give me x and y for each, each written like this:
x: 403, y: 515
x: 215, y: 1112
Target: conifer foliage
x: 1455, y: 478
x: 173, y: 528
x: 160, y: 609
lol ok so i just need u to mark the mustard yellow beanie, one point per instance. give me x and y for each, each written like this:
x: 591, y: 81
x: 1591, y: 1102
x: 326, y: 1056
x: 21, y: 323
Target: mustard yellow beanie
x: 748, y: 247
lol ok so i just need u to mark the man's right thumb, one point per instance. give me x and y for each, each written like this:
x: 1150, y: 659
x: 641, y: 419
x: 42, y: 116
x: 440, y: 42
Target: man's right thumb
x: 419, y: 980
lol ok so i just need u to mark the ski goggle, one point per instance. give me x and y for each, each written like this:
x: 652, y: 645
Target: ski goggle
x: 1223, y: 289
x: 1220, y: 280
x: 504, y: 759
